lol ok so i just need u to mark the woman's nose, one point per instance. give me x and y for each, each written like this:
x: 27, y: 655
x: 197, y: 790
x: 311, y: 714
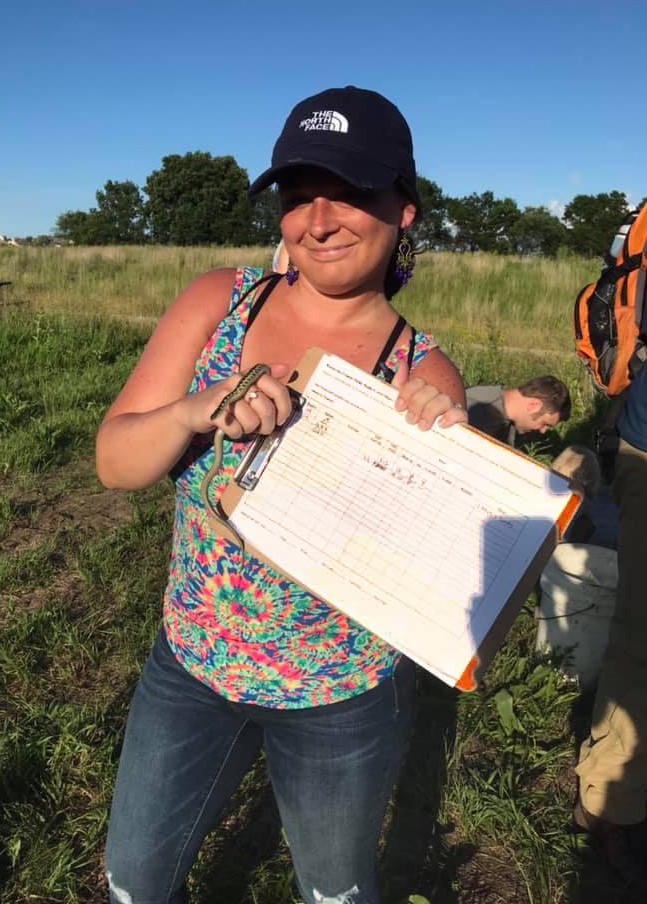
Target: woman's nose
x: 323, y: 219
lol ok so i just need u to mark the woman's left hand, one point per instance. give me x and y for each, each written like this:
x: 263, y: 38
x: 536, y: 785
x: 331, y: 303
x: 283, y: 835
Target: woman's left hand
x: 424, y: 403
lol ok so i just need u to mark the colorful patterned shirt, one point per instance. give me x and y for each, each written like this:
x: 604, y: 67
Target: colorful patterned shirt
x: 252, y: 635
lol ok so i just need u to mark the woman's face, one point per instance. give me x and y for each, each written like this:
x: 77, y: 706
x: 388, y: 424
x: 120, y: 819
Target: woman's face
x: 341, y: 239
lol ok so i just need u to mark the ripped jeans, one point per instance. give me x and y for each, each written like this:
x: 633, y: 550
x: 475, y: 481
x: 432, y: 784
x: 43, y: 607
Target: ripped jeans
x: 186, y: 750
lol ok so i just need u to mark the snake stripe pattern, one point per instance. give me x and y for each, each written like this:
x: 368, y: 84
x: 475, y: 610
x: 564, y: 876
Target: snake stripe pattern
x: 248, y: 380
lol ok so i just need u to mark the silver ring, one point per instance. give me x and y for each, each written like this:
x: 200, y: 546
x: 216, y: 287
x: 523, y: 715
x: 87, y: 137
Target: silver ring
x: 251, y: 395
x: 458, y: 405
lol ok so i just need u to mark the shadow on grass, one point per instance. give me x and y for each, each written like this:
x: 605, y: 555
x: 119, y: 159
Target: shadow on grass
x: 414, y: 860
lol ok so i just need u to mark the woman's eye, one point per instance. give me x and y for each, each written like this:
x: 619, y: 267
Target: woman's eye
x: 293, y: 201
x: 355, y: 198
x: 347, y: 197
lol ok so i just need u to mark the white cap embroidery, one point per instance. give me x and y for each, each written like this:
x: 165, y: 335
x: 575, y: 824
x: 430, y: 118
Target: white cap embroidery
x: 325, y: 121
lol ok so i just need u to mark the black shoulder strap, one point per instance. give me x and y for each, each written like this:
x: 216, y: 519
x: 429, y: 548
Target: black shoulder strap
x: 272, y: 281
x: 252, y: 288
x: 380, y: 368
x: 607, y: 438
x: 380, y: 364
x: 412, y: 349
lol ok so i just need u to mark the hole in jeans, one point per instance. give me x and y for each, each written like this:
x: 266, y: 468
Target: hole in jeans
x: 120, y: 894
x: 346, y: 897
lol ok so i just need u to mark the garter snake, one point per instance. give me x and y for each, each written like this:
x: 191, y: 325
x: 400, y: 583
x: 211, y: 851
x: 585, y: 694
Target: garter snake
x: 248, y: 380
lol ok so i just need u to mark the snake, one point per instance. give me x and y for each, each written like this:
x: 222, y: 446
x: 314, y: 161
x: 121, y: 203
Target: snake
x: 237, y: 393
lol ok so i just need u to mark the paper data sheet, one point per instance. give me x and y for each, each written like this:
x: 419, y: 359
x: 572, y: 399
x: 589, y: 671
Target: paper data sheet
x: 420, y: 536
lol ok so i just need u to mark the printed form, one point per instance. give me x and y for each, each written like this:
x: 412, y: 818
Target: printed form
x: 420, y: 536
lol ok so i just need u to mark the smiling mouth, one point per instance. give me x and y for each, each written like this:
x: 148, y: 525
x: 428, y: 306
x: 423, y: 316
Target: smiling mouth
x: 325, y: 253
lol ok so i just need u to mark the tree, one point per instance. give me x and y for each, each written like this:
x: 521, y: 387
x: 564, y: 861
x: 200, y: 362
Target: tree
x: 198, y: 199
x: 537, y: 231
x: 119, y: 218
x: 431, y: 228
x: 120, y: 209
x: 593, y: 221
x: 82, y: 227
x: 266, y: 218
x: 483, y: 222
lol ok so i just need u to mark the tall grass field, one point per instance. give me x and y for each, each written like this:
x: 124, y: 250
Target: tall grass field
x: 482, y: 813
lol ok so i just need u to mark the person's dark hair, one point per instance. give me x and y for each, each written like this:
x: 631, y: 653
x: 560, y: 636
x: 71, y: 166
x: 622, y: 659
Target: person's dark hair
x: 392, y: 284
x: 552, y: 393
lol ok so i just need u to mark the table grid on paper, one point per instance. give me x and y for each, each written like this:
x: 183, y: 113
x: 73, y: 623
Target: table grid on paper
x: 345, y: 492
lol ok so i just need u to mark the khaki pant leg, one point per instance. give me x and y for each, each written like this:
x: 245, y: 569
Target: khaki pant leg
x: 613, y: 760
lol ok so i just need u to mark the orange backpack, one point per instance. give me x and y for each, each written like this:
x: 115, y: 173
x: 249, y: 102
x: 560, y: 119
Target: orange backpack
x: 608, y: 313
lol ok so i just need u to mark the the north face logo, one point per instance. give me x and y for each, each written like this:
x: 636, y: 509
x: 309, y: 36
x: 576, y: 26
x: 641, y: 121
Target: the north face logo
x: 325, y: 121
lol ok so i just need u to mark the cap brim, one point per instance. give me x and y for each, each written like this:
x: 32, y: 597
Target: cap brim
x: 358, y: 172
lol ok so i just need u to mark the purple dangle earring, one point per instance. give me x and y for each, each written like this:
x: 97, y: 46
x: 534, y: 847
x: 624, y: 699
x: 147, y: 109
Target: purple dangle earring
x: 291, y: 274
x: 405, y: 260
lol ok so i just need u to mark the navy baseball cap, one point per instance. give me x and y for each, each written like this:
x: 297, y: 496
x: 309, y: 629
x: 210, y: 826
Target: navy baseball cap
x: 356, y: 134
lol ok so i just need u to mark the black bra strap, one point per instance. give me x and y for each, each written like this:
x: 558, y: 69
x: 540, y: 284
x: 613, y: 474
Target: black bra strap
x: 412, y: 349
x: 390, y: 342
x: 272, y: 281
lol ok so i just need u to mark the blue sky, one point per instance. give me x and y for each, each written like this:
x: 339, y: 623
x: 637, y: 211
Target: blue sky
x: 538, y: 101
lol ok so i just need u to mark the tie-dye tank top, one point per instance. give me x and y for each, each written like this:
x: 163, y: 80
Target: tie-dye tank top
x: 252, y: 635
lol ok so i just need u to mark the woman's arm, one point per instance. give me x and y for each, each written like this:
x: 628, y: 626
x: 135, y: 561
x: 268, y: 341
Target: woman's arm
x: 153, y: 419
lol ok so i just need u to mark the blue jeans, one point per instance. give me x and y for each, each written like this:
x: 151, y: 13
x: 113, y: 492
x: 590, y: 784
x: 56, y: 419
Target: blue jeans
x: 186, y: 750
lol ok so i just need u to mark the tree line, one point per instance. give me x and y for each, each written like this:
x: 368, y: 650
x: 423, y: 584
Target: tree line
x: 199, y: 199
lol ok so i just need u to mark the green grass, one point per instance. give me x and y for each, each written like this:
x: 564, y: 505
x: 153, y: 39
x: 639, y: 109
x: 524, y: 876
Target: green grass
x: 528, y: 302
x: 137, y: 283
x: 482, y: 812
x: 69, y: 661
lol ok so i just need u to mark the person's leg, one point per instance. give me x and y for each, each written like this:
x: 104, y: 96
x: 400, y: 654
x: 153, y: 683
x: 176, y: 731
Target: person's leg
x: 185, y: 751
x: 332, y: 770
x: 613, y: 760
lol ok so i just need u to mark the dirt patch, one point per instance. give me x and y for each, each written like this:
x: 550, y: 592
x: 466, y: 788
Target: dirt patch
x: 78, y: 496
x: 490, y: 878
x: 51, y: 515
x: 40, y: 513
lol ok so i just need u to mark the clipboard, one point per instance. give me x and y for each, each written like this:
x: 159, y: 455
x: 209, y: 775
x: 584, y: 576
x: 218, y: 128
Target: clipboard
x: 255, y: 460
x: 250, y: 474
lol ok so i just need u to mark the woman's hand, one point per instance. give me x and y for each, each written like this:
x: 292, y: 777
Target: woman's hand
x: 264, y: 405
x: 424, y: 403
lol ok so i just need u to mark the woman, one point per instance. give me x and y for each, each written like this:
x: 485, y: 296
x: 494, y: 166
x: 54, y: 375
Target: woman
x: 214, y: 689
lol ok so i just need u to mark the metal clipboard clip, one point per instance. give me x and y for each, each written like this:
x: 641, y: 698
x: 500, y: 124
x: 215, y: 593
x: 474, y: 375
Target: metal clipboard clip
x: 257, y: 457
